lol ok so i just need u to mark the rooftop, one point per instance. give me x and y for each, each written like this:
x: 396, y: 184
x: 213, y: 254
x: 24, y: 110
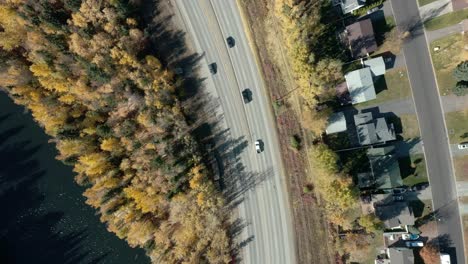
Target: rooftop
x: 361, y: 38
x: 360, y: 85
x: 400, y: 256
x: 395, y: 214
x: 376, y: 65
x: 385, y: 168
x: 348, y: 6
x: 336, y: 123
x: 372, y: 131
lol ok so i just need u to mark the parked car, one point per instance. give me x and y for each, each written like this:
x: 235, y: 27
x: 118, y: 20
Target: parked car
x: 398, y: 198
x: 414, y: 244
x: 231, y: 42
x: 247, y: 95
x: 409, y: 236
x: 372, y: 10
x: 399, y: 190
x: 420, y: 186
x: 213, y: 68
x: 258, y: 146
x: 444, y: 258
x: 463, y: 145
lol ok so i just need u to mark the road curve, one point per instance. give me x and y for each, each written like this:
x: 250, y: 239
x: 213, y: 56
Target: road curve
x: 264, y: 207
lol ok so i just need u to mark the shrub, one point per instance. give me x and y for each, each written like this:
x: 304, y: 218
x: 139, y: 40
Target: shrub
x: 461, y: 88
x: 295, y: 142
x: 461, y: 72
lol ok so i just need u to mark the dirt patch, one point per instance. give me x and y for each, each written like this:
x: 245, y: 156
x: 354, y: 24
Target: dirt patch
x: 311, y: 230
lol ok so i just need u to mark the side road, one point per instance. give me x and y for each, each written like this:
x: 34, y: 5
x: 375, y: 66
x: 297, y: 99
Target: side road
x: 431, y: 123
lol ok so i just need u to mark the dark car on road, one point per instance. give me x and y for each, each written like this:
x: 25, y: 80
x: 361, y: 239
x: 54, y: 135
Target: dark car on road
x: 247, y: 95
x: 213, y: 68
x: 231, y: 42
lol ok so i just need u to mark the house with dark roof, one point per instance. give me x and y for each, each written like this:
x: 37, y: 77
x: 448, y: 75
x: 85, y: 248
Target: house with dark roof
x: 396, y: 215
x: 361, y: 38
x: 396, y: 256
x: 372, y: 131
x: 385, y: 170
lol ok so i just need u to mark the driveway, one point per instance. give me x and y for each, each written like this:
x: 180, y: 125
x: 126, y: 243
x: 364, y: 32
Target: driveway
x: 431, y: 122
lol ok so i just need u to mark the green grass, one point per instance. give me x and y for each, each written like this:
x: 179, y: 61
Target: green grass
x: 446, y: 20
x: 413, y: 169
x: 394, y: 85
x: 425, y: 2
x: 461, y: 168
x: 451, y: 52
x: 457, y: 125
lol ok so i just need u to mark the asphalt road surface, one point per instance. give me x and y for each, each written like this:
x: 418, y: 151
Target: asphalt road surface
x: 268, y: 234
x: 431, y: 122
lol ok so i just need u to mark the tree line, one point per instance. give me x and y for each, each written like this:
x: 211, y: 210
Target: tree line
x: 83, y: 69
x: 316, y: 66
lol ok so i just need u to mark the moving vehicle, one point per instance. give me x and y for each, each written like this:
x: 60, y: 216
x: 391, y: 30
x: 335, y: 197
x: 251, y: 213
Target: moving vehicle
x: 247, y: 95
x: 463, y: 145
x: 213, y: 68
x: 231, y: 42
x: 414, y: 244
x: 258, y: 146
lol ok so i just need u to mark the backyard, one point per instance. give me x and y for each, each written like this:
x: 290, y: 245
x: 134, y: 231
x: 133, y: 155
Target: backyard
x: 449, y: 54
x: 457, y: 126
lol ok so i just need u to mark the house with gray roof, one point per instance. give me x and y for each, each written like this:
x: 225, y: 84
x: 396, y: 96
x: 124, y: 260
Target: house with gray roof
x: 347, y: 6
x: 376, y: 65
x: 336, y: 123
x: 385, y: 170
x: 396, y: 256
x: 361, y: 38
x: 373, y: 131
x: 360, y: 85
x: 396, y: 215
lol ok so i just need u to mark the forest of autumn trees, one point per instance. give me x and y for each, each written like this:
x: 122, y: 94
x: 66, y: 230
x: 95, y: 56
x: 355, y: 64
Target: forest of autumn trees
x: 83, y: 69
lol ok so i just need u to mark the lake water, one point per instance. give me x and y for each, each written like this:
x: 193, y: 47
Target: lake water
x: 43, y: 215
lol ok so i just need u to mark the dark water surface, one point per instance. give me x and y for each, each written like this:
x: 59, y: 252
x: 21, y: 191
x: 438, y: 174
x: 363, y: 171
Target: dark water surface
x: 43, y: 216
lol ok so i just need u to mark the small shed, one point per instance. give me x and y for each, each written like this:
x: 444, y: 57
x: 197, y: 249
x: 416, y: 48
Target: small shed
x: 376, y: 65
x: 336, y: 123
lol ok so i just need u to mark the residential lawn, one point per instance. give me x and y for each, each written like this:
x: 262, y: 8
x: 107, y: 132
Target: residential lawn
x: 461, y: 168
x: 393, y: 85
x: 410, y: 126
x: 451, y: 52
x: 413, y: 169
x: 421, y: 208
x: 446, y: 20
x: 457, y: 126
x: 425, y: 2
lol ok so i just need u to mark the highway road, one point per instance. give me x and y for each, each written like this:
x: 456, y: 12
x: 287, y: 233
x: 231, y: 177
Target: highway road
x: 264, y: 207
x: 431, y: 123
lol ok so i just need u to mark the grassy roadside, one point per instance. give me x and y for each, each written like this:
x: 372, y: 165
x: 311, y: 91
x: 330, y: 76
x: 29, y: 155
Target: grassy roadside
x: 451, y: 52
x: 461, y: 168
x: 446, y: 20
x: 425, y: 2
x: 457, y: 125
